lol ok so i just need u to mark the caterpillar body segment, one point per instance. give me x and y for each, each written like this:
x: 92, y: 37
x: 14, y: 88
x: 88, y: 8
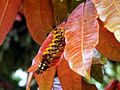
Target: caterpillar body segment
x: 53, y: 52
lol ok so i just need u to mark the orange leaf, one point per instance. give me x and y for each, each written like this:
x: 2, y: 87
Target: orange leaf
x: 81, y: 37
x: 109, y: 13
x: 37, y: 59
x: 8, y: 12
x: 39, y: 16
x: 69, y: 80
x: 108, y: 45
x: 45, y: 80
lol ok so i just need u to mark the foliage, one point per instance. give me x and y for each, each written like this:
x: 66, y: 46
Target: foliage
x: 35, y: 13
x: 7, y: 11
x: 15, y: 54
x: 108, y: 45
x: 108, y: 12
x: 81, y: 41
x: 80, y: 30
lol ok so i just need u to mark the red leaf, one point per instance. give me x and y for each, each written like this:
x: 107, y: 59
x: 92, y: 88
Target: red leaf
x: 8, y: 12
x: 44, y: 80
x: 39, y: 16
x: 86, y: 86
x: 118, y: 85
x: 69, y: 80
x: 37, y: 59
x: 81, y: 37
x: 108, y: 45
x: 112, y: 85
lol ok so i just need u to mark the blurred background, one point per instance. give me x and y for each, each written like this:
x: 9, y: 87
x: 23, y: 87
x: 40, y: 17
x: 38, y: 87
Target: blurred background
x: 16, y: 55
x: 19, y: 49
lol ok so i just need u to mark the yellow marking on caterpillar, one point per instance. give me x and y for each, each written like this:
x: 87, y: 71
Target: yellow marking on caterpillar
x: 53, y: 45
x: 45, y: 53
x: 53, y: 51
x: 57, y: 36
x: 49, y: 49
x: 58, y: 32
x: 56, y: 41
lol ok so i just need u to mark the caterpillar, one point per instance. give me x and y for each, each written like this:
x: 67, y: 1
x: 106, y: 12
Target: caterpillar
x: 53, y: 51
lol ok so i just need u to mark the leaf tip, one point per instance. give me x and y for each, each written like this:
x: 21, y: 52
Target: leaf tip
x: 117, y: 35
x: 32, y: 68
x: 1, y: 41
x: 87, y: 75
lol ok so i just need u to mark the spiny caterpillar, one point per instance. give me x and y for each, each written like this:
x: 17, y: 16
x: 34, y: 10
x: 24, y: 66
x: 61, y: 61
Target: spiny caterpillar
x: 53, y: 51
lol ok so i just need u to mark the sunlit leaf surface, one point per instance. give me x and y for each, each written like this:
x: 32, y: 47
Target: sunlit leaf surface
x: 81, y: 37
x: 109, y: 13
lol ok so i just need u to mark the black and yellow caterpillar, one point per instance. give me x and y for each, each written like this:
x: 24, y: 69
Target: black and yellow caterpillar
x: 53, y: 51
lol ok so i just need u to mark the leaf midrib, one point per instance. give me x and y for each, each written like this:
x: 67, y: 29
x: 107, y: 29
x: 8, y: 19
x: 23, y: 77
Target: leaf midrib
x: 4, y: 11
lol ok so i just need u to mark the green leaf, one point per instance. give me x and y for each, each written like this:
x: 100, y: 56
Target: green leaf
x: 103, y: 60
x: 96, y: 72
x: 118, y: 71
